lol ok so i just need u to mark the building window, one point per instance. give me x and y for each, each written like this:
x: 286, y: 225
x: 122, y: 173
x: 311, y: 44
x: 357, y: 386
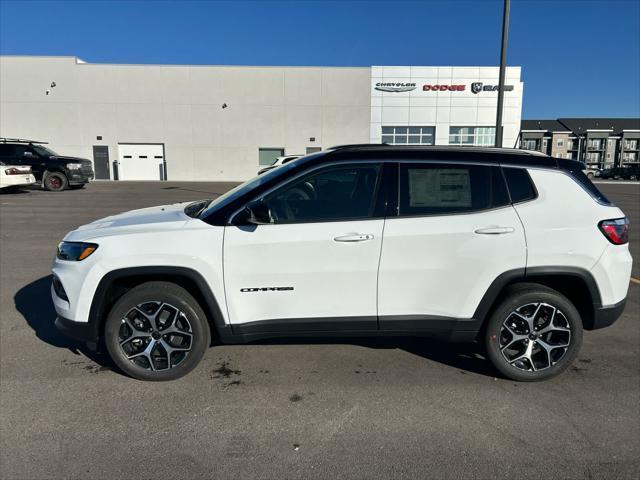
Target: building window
x: 268, y: 156
x: 630, y: 144
x: 560, y: 142
x: 531, y: 144
x: 409, y: 135
x: 595, y: 143
x: 482, y: 136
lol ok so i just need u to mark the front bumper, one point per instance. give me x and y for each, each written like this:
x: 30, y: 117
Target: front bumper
x: 80, y: 177
x: 85, y: 332
x: 606, y: 316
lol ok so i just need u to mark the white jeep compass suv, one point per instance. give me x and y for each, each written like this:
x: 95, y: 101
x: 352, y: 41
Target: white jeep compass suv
x: 514, y: 249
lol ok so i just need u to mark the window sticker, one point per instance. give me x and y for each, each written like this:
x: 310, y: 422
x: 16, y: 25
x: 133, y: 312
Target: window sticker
x: 439, y: 188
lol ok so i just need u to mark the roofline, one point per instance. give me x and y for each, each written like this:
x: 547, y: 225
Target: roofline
x: 80, y: 61
x: 434, y: 148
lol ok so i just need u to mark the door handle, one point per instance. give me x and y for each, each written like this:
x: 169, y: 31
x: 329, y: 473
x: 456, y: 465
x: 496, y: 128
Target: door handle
x: 354, y: 237
x: 494, y: 230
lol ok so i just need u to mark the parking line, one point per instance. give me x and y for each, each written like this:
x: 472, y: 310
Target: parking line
x: 635, y: 280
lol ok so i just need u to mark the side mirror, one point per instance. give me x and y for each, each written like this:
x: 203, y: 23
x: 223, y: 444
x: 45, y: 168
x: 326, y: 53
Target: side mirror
x: 258, y: 213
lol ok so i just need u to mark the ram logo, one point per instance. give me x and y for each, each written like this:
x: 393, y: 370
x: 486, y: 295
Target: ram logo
x: 266, y: 289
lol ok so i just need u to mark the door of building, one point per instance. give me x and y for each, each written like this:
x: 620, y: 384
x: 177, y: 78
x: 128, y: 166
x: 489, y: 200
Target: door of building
x: 101, y: 162
x: 137, y: 161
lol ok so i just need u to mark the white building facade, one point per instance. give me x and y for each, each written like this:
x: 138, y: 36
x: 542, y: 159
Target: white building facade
x: 223, y: 123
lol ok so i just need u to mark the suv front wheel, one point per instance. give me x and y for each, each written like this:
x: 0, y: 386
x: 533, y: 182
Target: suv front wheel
x: 157, y: 331
x: 534, y: 334
x: 54, y: 181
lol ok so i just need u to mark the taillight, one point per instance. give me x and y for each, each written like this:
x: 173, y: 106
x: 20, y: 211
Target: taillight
x: 12, y: 171
x: 616, y: 230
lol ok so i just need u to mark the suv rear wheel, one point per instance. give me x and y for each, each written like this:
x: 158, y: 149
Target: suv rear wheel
x: 534, y: 334
x: 157, y: 331
x: 54, y: 181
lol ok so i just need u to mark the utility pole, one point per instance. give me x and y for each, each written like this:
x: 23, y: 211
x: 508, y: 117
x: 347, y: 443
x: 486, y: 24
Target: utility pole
x: 503, y: 65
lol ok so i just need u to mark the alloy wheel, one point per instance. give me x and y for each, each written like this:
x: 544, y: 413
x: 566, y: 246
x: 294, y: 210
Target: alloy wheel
x: 54, y: 182
x: 535, y: 337
x: 155, y: 336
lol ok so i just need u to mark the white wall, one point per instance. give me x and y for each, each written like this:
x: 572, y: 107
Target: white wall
x: 443, y: 109
x: 280, y: 107
x: 181, y: 106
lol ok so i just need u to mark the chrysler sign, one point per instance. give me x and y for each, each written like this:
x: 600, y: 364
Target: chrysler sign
x: 395, y: 87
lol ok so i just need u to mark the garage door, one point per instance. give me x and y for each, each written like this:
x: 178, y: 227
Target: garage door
x: 140, y: 161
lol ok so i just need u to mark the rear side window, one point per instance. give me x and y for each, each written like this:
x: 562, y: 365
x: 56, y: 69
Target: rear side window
x: 441, y: 189
x: 520, y: 185
x: 6, y: 150
x: 584, y: 182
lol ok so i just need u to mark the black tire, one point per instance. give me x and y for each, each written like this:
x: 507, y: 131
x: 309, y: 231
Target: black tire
x: 163, y: 295
x: 542, y: 364
x: 54, y: 181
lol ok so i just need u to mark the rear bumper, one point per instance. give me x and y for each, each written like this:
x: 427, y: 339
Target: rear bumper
x: 82, y: 331
x: 17, y: 180
x: 605, y: 316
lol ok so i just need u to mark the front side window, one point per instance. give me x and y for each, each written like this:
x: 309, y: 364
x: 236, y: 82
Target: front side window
x: 43, y: 151
x: 480, y: 136
x: 440, y: 189
x: 334, y: 193
x: 408, y: 135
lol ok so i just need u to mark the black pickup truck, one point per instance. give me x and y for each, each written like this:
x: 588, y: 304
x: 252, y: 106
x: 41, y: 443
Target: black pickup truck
x: 55, y: 172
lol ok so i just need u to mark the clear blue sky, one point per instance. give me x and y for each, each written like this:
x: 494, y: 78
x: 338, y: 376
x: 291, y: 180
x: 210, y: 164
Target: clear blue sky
x: 579, y: 58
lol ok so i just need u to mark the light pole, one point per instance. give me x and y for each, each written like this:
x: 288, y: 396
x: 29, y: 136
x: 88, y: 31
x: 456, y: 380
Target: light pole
x: 503, y: 63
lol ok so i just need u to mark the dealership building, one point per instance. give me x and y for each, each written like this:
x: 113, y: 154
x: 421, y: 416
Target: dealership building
x: 174, y: 122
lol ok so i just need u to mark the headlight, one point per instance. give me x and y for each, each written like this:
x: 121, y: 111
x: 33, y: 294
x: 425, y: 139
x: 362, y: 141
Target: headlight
x: 74, y: 166
x: 75, y: 251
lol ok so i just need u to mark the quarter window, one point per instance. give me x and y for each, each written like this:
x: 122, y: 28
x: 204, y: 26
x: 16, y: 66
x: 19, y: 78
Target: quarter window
x: 440, y: 189
x: 336, y: 193
x: 520, y: 186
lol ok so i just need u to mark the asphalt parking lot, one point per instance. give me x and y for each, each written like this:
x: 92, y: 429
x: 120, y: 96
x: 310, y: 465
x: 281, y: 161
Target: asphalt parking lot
x: 398, y: 408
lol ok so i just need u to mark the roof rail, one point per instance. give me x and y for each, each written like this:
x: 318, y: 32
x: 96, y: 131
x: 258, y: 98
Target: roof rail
x: 358, y: 145
x: 19, y: 140
x: 474, y: 148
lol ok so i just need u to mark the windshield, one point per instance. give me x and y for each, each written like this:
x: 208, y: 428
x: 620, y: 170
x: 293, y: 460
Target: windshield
x: 247, y: 186
x: 43, y: 151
